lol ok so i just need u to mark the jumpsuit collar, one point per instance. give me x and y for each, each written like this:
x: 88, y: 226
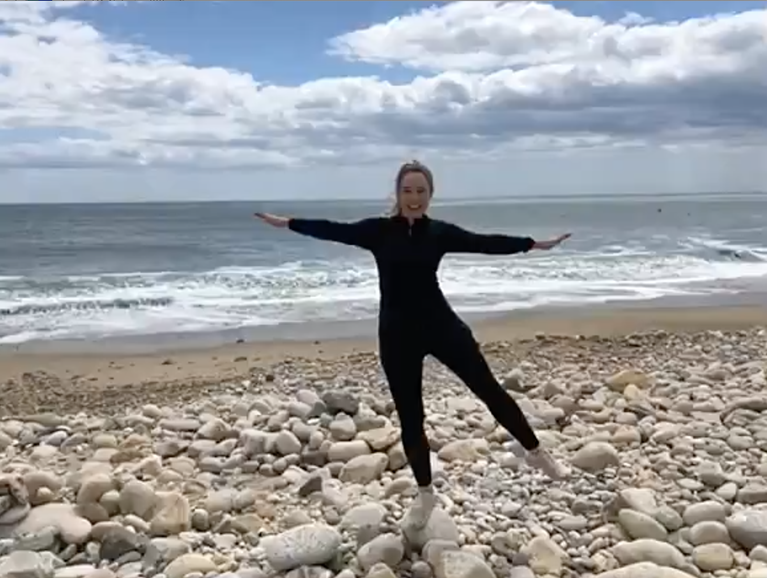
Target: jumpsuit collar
x: 418, y: 224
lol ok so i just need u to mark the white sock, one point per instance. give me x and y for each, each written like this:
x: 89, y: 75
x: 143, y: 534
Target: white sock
x: 422, y: 507
x: 543, y: 460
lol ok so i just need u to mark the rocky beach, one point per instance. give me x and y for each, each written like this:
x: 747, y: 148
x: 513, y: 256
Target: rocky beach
x: 291, y: 466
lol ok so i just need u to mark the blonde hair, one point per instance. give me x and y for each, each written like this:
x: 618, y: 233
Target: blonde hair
x: 405, y: 169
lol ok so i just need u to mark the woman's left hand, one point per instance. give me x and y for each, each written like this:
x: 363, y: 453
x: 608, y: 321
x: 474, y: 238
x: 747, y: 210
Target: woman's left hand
x: 551, y: 243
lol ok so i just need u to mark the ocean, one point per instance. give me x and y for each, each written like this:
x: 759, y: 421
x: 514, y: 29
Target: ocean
x: 96, y: 271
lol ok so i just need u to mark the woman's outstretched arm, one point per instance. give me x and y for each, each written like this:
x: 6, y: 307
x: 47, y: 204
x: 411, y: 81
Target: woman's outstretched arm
x: 362, y: 233
x: 458, y: 240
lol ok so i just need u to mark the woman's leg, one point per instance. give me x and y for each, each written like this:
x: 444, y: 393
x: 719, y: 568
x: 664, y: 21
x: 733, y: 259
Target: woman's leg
x: 455, y: 347
x: 403, y: 367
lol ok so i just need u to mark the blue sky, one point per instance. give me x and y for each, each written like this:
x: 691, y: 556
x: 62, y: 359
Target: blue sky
x: 286, y: 42
x: 282, y: 42
x: 175, y: 100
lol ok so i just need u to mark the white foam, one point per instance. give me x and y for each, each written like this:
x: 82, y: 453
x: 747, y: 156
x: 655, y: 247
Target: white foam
x: 757, y: 254
x: 231, y: 297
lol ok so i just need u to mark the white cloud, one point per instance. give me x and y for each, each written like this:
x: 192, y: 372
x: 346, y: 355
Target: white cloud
x: 495, y: 79
x: 487, y: 36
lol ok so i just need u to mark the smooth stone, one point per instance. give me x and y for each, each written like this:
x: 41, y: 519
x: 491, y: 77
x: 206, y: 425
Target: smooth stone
x: 708, y: 533
x: 188, y: 564
x: 544, y: 555
x: 464, y: 450
x: 709, y: 511
x: 460, y: 564
x: 173, y: 515
x: 364, y: 469
x: 72, y: 528
x: 646, y: 550
x: 595, y: 457
x: 25, y: 564
x: 78, y: 571
x: 713, y: 557
x: 638, y: 525
x: 308, y: 545
x: 748, y: 528
x: 386, y: 548
x: 644, y: 570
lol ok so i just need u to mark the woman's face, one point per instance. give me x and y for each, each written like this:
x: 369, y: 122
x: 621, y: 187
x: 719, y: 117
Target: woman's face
x: 414, y: 195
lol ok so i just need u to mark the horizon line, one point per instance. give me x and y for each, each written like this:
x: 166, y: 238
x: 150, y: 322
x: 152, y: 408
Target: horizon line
x: 525, y: 197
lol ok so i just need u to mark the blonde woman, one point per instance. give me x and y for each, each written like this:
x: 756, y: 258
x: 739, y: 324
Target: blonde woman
x: 416, y: 320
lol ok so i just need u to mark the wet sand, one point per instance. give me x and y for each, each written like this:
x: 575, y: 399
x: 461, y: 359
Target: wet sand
x: 110, y: 369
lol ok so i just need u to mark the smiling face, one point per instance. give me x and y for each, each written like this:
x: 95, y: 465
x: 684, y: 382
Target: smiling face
x: 414, y: 194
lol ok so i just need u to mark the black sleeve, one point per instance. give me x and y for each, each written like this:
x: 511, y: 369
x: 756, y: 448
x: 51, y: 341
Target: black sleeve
x: 458, y: 240
x: 363, y: 234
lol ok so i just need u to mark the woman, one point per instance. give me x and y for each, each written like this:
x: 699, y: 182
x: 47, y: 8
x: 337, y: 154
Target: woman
x: 416, y: 320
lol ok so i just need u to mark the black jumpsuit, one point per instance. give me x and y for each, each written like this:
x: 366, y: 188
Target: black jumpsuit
x: 416, y: 320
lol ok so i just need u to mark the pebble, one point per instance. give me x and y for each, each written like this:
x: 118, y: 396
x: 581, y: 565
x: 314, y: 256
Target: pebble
x: 189, y: 564
x: 306, y: 545
x: 300, y: 471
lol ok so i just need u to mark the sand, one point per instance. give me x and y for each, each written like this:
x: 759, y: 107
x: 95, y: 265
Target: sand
x: 45, y: 381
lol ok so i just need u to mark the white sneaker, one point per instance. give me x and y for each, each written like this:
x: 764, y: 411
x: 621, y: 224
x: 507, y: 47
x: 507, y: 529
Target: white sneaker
x: 422, y: 507
x: 541, y: 459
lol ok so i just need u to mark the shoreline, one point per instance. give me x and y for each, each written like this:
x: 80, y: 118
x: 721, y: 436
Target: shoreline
x: 231, y: 361
x: 299, y: 334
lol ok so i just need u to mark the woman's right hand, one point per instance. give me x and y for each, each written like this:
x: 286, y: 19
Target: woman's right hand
x: 273, y: 220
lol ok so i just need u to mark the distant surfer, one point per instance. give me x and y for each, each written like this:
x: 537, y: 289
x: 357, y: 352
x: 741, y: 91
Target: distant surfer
x: 416, y: 320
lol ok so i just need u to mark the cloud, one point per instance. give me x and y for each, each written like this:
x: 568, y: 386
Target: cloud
x: 493, y: 78
x: 487, y: 36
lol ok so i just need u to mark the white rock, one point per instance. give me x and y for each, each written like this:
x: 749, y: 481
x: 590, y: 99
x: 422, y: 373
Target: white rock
x: 380, y: 439
x: 709, y: 533
x: 646, y: 550
x: 78, y: 571
x: 713, y: 557
x: 465, y: 450
x: 347, y: 451
x: 596, y: 456
x: 619, y: 381
x: 189, y: 564
x: 308, y: 545
x: 23, y: 564
x: 138, y: 498
x: 460, y: 564
x: 545, y: 555
x: 748, y: 528
x: 644, y: 570
x: 364, y: 469
x: 386, y: 548
x: 638, y: 525
x: 173, y: 515
x: 709, y: 511
x: 73, y: 528
x: 286, y: 443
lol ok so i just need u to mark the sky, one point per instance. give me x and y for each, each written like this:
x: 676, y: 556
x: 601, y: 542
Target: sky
x: 161, y: 101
